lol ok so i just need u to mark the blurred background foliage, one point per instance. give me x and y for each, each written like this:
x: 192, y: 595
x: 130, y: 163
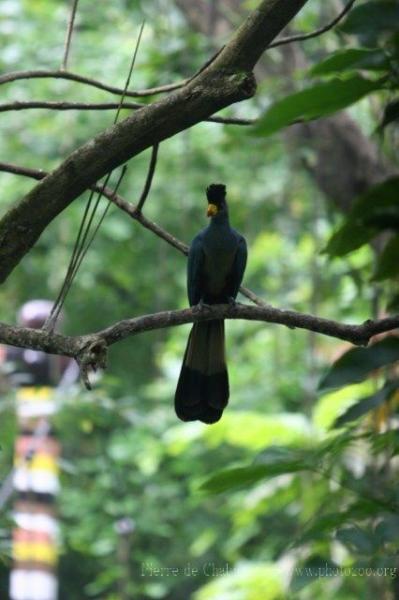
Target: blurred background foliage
x: 302, y: 470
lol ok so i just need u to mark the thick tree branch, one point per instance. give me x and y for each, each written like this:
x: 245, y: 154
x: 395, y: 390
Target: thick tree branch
x: 226, y: 80
x: 90, y: 350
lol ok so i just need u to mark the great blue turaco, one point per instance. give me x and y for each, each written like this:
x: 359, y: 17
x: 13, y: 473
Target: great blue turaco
x: 216, y: 265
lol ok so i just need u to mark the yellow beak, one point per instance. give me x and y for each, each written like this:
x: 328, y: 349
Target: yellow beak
x: 212, y: 210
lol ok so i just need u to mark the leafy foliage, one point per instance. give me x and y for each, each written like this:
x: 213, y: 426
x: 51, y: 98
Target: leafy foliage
x: 374, y: 211
x: 319, y: 100
x: 357, y: 363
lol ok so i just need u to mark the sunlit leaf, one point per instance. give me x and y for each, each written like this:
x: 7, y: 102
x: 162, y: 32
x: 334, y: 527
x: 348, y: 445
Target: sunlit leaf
x: 349, y: 237
x: 247, y: 581
x: 358, y: 363
x: 275, y: 461
x: 332, y: 403
x: 364, y: 405
x: 319, y: 100
x: 255, y: 430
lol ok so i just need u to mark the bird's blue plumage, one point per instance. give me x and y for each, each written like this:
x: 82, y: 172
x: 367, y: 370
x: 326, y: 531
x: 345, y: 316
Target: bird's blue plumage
x: 216, y: 265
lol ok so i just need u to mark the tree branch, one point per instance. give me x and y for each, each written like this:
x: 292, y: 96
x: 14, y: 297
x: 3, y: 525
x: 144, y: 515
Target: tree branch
x: 46, y: 74
x: 228, y: 79
x: 149, y: 178
x: 90, y: 350
x: 48, y: 105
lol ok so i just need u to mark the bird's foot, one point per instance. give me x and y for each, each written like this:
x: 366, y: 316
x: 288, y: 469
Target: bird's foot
x: 202, y: 306
x: 232, y: 302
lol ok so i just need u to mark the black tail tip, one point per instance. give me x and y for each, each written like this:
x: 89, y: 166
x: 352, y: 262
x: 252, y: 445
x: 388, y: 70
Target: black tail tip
x: 201, y: 397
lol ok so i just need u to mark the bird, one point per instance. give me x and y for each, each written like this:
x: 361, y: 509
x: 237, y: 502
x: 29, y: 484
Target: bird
x: 216, y: 263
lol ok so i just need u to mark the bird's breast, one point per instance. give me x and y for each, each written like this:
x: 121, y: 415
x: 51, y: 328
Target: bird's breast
x: 219, y: 258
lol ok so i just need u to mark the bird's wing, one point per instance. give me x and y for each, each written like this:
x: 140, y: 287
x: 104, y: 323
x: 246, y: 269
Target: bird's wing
x: 195, y: 270
x: 238, y: 268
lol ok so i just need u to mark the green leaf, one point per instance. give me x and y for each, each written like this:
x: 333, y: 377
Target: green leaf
x: 328, y: 523
x: 380, y: 199
x: 275, y: 461
x: 246, y: 581
x: 317, y: 101
x: 356, y: 364
x: 349, y: 237
x: 356, y: 539
x: 388, y: 261
x: 372, y: 17
x: 391, y: 114
x: 320, y: 527
x: 352, y: 58
x: 314, y: 568
x: 256, y: 431
x: 377, y: 209
x: 387, y: 530
x: 387, y: 441
x: 364, y: 405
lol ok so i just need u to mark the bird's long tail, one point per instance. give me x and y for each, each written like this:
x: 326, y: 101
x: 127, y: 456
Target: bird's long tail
x: 203, y: 388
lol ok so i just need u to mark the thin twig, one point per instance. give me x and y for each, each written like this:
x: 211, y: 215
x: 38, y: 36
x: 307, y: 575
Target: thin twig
x: 49, y: 105
x: 77, y: 260
x: 207, y: 64
x: 300, y: 37
x: 46, y: 74
x: 24, y: 171
x: 127, y: 83
x: 231, y: 121
x: 150, y: 175
x: 81, y: 245
x: 69, y: 35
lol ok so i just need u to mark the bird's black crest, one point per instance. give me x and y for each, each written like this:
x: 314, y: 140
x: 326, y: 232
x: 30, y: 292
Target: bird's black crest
x: 216, y: 193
